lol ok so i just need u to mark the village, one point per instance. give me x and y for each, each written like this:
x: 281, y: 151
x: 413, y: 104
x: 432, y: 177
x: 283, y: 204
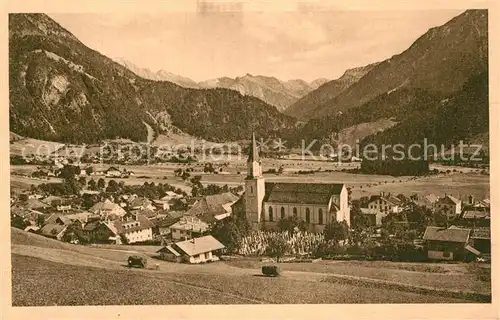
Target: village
x: 281, y: 221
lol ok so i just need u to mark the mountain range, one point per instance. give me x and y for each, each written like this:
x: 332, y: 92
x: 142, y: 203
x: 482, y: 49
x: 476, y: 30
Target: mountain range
x: 440, y: 60
x: 61, y: 90
x: 428, y: 90
x: 278, y: 93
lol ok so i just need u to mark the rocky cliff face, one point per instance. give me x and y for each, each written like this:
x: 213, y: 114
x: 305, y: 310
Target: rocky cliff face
x: 62, y: 90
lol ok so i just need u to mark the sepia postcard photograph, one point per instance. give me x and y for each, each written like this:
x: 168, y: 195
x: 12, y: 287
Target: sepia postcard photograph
x: 221, y: 153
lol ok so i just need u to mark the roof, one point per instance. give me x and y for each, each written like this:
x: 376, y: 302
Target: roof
x: 253, y: 153
x: 146, y: 212
x: 387, y: 198
x: 138, y: 202
x: 68, y: 218
x: 450, y: 235
x: 213, y: 204
x: 191, y: 223
x: 473, y: 250
x: 107, y: 205
x: 196, y: 246
x: 52, y: 229
x: 169, y: 249
x: 303, y: 193
x: 476, y: 214
x: 449, y: 199
x: 481, y: 233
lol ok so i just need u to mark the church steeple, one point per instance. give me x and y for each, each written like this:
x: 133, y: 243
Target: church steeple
x: 253, y: 163
x: 255, y: 186
x: 253, y: 154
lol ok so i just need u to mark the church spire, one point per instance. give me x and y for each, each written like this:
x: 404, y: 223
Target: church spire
x: 253, y: 154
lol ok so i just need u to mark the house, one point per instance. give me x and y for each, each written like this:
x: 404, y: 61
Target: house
x: 449, y: 243
x: 63, y: 207
x: 141, y: 204
x: 476, y: 216
x: 55, y: 231
x: 386, y: 203
x: 168, y: 253
x: 161, y: 205
x: 107, y: 210
x: 188, y: 227
x: 169, y: 195
x: 163, y: 226
x: 32, y: 217
x: 375, y: 216
x: 135, y: 228
x: 196, y: 250
x: 449, y: 206
x: 214, y: 207
x: 265, y: 203
x: 145, y: 212
x: 81, y: 217
x: 113, y: 172
x: 428, y: 201
x: 33, y: 204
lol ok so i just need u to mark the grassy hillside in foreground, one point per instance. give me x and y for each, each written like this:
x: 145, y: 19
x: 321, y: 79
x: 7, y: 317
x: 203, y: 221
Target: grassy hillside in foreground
x: 61, y: 284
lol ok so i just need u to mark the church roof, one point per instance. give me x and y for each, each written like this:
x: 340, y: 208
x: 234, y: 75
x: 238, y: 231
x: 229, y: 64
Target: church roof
x: 303, y: 193
x: 253, y: 154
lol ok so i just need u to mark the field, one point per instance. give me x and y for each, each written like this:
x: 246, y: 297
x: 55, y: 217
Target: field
x: 47, y: 272
x: 463, y: 182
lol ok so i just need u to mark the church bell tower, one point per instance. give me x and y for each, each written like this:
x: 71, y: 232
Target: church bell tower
x: 254, y: 185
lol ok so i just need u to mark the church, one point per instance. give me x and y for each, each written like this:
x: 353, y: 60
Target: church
x: 265, y: 203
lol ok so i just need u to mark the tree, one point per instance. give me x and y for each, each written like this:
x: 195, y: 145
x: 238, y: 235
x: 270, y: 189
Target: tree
x: 277, y: 248
x: 82, y: 181
x: 92, y: 185
x: 112, y: 186
x: 69, y: 172
x: 231, y: 231
x: 40, y: 221
x: 336, y: 231
x: 101, y: 183
x: 89, y: 170
x: 18, y: 222
x: 291, y: 224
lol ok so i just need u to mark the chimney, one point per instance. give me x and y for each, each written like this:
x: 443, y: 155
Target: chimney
x: 382, y: 193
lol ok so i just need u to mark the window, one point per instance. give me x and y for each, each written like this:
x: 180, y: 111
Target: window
x: 295, y: 212
x: 251, y: 190
x: 320, y: 216
x: 282, y: 213
x: 308, y: 215
x: 270, y: 214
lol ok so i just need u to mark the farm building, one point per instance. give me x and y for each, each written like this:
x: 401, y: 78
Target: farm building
x: 196, y: 250
x: 188, y: 227
x: 449, y: 243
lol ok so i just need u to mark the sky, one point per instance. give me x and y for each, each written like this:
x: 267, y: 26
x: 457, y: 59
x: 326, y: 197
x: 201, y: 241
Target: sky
x: 287, y: 45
